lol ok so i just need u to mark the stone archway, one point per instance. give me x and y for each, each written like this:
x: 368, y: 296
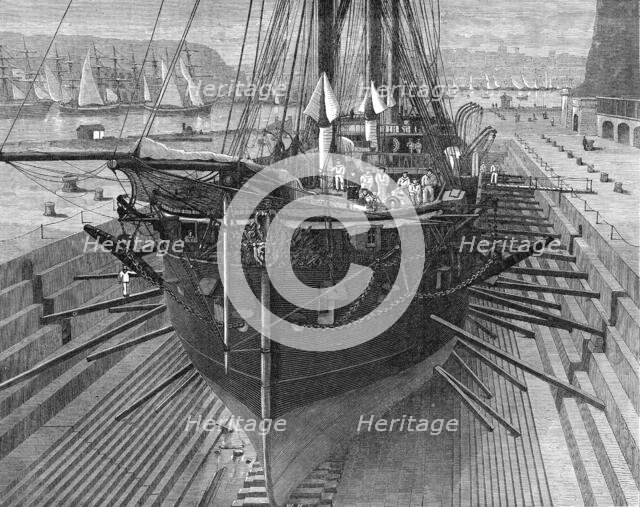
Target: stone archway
x: 576, y: 122
x: 607, y: 130
x: 636, y: 137
x: 623, y: 133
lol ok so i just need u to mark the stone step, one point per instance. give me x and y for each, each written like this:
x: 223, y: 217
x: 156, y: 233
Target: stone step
x: 29, y: 351
x: 19, y: 325
x: 49, y: 450
x: 625, y: 364
x: 32, y: 404
x: 50, y: 280
x: 628, y: 323
x: 94, y: 435
x: 619, y: 479
x: 619, y: 410
x: 15, y: 297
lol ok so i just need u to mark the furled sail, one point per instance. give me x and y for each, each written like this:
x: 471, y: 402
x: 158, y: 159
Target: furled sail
x: 145, y: 89
x: 171, y: 95
x: 323, y: 91
x: 193, y: 89
x: 53, y: 84
x: 89, y: 93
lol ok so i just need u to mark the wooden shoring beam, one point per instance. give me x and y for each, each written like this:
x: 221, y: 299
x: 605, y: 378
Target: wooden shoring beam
x: 131, y: 343
x: 464, y: 398
x: 515, y: 232
x: 81, y: 348
x: 524, y: 218
x: 498, y: 318
x: 492, y: 364
x: 488, y: 218
x: 103, y: 305
x: 133, y: 308
x: 488, y: 408
x: 153, y: 391
x: 522, y: 299
x: 559, y: 273
x: 488, y: 293
x: 520, y: 208
x: 483, y: 328
x: 565, y: 386
x: 100, y: 276
x: 194, y: 375
x: 526, y: 286
x: 472, y: 374
x: 552, y: 319
x: 557, y: 256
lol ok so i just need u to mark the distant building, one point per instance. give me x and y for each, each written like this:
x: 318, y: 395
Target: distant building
x: 505, y: 101
x: 92, y: 132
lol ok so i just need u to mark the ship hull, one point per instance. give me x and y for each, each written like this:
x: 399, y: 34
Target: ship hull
x: 89, y: 110
x: 31, y: 109
x: 171, y: 111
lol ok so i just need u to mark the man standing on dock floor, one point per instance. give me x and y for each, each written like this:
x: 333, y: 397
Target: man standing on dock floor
x: 123, y: 278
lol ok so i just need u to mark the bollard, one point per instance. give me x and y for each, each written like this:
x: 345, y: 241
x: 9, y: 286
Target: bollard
x: 617, y: 187
x: 98, y: 194
x: 579, y: 160
x: 70, y: 183
x: 49, y: 209
x: 554, y: 144
x: 590, y: 168
x: 604, y: 177
x: 560, y: 148
x: 569, y: 154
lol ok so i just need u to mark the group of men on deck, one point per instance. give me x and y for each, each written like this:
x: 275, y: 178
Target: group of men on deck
x: 380, y: 183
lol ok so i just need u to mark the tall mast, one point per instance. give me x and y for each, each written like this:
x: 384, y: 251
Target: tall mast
x: 116, y: 77
x: 135, y: 91
x: 375, y: 41
x: 326, y: 39
x: 394, y: 67
x: 28, y: 72
x: 5, y: 91
x: 72, y: 80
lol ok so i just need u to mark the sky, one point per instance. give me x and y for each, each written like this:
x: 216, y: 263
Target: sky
x: 536, y: 26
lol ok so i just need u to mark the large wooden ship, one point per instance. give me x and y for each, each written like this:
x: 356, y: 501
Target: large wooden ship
x: 184, y: 197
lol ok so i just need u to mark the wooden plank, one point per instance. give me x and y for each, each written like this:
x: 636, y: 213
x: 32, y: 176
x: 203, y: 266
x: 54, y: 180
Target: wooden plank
x: 465, y: 335
x: 152, y: 392
x: 498, y: 318
x: 130, y: 343
x: 464, y: 398
x: 85, y: 346
x: 523, y: 299
x: 549, y: 272
x: 474, y: 397
x: 133, y: 308
x: 556, y: 320
x: 525, y: 286
x: 472, y: 374
x: 103, y: 305
x: 514, y: 232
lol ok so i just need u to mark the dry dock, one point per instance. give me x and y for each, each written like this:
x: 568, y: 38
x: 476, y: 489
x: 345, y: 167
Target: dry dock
x: 578, y: 321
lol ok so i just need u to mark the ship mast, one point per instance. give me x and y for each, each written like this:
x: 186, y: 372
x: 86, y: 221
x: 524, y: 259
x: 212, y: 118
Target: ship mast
x: 5, y: 91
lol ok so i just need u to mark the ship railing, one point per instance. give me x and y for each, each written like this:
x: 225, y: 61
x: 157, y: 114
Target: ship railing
x: 397, y: 163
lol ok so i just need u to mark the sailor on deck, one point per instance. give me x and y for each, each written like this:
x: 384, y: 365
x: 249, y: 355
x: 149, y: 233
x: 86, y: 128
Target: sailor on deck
x: 404, y: 182
x: 414, y: 192
x: 382, y: 182
x: 428, y: 183
x: 366, y: 181
x: 339, y: 172
x: 494, y: 174
x: 123, y: 278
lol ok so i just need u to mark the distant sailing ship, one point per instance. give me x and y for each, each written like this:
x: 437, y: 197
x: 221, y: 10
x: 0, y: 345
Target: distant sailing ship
x: 89, y: 100
x: 172, y: 101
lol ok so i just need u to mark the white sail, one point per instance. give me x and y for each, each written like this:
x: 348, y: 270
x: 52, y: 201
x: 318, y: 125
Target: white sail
x: 53, y: 84
x: 363, y: 104
x: 111, y: 96
x: 171, y: 95
x: 193, y: 89
x: 515, y: 84
x: 18, y: 94
x: 535, y: 84
x: 496, y: 84
x: 471, y: 83
x: 489, y: 86
x: 40, y: 91
x: 145, y: 88
x: 89, y: 93
x: 66, y: 95
x: 524, y: 82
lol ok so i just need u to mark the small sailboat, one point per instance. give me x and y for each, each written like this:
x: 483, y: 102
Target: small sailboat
x: 527, y: 86
x: 171, y: 100
x: 522, y: 96
x: 89, y: 100
x: 496, y: 84
x: 515, y: 84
